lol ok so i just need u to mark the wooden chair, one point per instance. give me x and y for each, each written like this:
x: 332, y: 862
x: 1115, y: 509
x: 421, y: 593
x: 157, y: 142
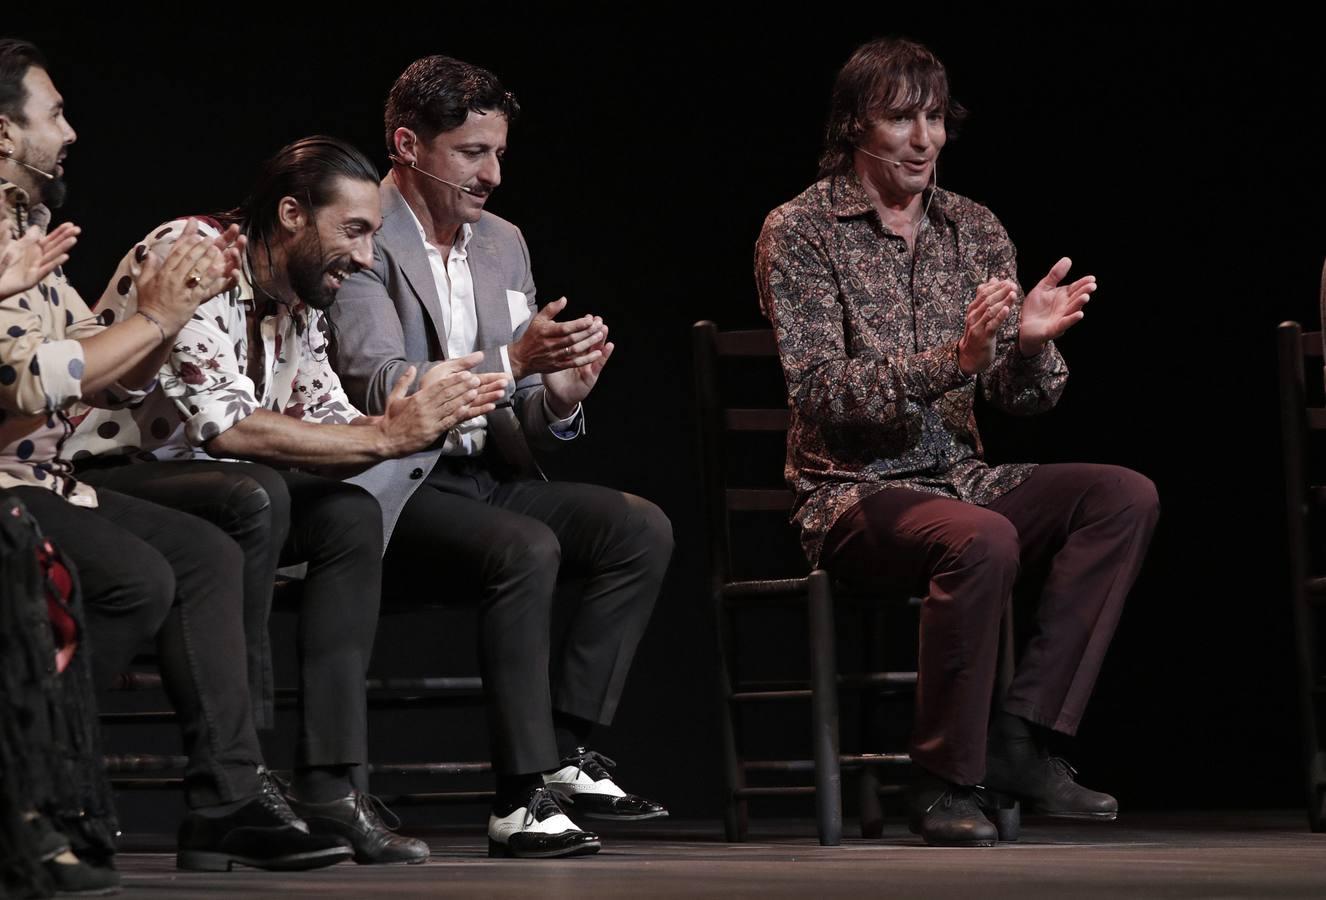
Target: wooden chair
x: 816, y: 590
x: 1303, y: 416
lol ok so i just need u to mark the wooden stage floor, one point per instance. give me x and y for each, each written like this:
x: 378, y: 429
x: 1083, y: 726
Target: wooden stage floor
x: 1207, y: 855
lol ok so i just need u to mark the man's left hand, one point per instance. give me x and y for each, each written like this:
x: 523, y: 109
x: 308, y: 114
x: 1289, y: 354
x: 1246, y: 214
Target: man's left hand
x: 1051, y: 308
x: 566, y: 388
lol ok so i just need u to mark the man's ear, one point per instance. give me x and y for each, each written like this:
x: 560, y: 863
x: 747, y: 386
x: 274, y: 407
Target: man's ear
x: 407, y: 145
x: 291, y: 215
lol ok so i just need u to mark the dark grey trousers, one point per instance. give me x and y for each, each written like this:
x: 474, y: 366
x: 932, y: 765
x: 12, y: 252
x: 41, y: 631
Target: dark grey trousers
x: 503, y: 545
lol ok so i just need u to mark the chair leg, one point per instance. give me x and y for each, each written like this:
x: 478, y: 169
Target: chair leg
x: 824, y: 710
x: 872, y: 813
x: 1317, y: 792
x: 1008, y: 819
x: 734, y: 806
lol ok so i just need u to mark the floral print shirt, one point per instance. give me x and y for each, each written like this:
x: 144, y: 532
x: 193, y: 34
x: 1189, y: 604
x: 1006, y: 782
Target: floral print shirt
x: 867, y: 334
x: 41, y: 370
x: 205, y: 385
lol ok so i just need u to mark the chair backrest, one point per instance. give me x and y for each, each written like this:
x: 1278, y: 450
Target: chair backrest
x: 1300, y: 418
x: 718, y: 422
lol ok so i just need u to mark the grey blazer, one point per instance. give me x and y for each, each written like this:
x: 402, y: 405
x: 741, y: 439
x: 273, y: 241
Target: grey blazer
x: 389, y: 317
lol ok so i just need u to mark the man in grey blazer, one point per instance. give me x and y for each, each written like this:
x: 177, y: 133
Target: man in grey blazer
x: 473, y: 517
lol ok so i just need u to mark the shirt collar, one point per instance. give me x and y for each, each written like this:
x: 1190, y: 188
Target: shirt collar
x: 848, y: 199
x: 459, y: 248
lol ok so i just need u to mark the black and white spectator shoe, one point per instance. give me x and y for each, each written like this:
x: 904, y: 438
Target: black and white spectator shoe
x: 537, y: 829
x: 584, y: 784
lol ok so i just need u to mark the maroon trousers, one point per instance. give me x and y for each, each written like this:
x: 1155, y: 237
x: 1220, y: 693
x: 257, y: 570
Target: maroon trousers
x: 1082, y: 529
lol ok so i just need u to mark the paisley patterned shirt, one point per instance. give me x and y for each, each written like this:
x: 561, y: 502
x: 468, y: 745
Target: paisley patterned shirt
x: 205, y: 385
x: 867, y: 334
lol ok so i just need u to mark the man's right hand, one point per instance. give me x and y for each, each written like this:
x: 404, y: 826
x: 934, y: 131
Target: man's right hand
x: 550, y: 346
x: 28, y: 260
x: 163, y: 286
x: 990, y: 309
x: 449, y: 393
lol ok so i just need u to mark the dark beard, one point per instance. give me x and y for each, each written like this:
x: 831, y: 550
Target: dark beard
x: 53, y: 193
x: 306, y: 272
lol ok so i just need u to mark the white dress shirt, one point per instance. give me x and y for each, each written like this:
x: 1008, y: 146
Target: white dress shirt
x: 455, y: 293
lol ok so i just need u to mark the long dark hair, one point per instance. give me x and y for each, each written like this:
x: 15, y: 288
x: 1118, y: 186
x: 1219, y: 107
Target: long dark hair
x: 884, y: 77
x: 306, y: 170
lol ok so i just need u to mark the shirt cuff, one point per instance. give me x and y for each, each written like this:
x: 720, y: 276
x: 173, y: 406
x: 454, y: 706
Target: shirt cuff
x: 564, y: 429
x: 949, y: 374
x: 1032, y: 365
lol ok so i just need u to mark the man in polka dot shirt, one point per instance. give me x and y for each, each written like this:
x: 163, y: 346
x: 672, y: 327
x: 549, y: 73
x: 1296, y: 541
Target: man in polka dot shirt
x: 147, y: 572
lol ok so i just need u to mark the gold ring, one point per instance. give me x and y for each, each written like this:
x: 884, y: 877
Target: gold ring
x: 193, y: 280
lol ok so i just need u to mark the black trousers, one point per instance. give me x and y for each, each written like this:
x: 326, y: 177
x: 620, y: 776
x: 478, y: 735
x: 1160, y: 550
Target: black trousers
x: 152, y: 572
x: 1079, y: 531
x: 504, y: 543
x: 281, y: 517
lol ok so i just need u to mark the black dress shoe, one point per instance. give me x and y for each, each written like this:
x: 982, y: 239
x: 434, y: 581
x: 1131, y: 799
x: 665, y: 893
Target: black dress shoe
x: 80, y: 879
x: 537, y: 828
x: 583, y: 783
x: 355, y: 818
x: 1046, y: 787
x: 262, y: 833
x: 77, y: 876
x: 947, y: 815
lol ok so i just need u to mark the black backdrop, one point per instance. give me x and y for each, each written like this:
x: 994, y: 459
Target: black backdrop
x: 1178, y: 160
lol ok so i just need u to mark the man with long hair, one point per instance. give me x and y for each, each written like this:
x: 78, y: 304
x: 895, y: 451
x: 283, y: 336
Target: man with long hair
x: 894, y: 302
x: 248, y: 378
x: 148, y: 572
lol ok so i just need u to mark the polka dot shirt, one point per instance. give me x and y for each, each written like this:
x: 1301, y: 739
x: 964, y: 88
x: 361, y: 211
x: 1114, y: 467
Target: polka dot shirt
x: 41, y: 372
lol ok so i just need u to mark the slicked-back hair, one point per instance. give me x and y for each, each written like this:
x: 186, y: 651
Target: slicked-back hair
x: 437, y: 93
x: 307, y: 170
x: 16, y: 57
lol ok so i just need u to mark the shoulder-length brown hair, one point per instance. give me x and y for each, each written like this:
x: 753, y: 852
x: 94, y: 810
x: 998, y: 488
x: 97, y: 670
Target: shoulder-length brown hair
x: 887, y: 76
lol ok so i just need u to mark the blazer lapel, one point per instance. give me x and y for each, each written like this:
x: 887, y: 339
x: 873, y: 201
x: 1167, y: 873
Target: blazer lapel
x: 401, y: 234
x: 490, y: 304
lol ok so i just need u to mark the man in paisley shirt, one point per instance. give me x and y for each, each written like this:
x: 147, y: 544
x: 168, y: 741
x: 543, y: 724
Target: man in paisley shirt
x: 147, y: 571
x: 893, y: 302
x: 248, y: 379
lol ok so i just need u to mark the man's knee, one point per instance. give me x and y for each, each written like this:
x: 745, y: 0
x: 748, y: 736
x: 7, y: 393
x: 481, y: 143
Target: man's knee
x: 350, y: 519
x: 988, y: 541
x: 1129, y: 492
x: 645, y: 532
x: 257, y: 510
x: 527, y: 553
x: 143, y: 592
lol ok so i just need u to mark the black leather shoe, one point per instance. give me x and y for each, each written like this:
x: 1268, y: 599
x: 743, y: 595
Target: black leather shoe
x: 947, y: 815
x: 355, y: 818
x: 1046, y: 787
x: 537, y: 829
x: 263, y: 833
x: 72, y: 875
x: 80, y: 879
x: 583, y: 783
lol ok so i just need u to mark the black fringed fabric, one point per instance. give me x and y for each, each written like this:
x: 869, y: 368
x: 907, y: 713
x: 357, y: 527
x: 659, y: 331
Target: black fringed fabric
x: 50, y: 756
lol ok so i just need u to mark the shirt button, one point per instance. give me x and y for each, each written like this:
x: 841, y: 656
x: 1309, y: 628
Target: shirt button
x: 417, y: 474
